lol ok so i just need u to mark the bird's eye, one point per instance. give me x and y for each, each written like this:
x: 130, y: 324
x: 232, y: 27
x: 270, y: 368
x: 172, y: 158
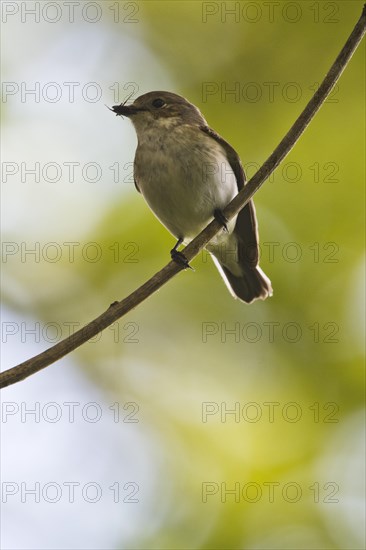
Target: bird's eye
x: 158, y: 103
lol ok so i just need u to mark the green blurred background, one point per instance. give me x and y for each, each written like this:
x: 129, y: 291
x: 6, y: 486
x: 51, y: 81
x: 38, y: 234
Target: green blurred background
x: 291, y: 368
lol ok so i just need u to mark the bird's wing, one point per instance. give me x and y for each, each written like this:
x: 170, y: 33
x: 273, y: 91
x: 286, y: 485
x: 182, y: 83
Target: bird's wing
x: 231, y: 154
x: 246, y: 227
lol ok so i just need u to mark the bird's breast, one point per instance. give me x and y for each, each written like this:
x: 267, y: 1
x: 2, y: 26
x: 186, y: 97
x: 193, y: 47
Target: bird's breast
x: 184, y: 177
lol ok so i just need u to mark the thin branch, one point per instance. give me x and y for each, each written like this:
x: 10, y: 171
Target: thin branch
x: 118, y: 309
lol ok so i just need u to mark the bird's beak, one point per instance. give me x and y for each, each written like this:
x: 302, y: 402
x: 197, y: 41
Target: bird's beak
x: 124, y: 110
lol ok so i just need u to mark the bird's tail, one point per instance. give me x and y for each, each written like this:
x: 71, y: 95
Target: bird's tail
x: 236, y: 256
x: 252, y: 284
x: 248, y: 285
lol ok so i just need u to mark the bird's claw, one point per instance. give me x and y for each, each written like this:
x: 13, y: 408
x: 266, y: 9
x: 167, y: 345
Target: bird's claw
x: 219, y: 217
x: 180, y: 259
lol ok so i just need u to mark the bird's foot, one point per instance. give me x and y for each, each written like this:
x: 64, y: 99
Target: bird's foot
x: 219, y: 217
x: 179, y: 257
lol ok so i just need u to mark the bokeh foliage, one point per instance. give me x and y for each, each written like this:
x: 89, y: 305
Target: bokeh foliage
x: 315, y: 200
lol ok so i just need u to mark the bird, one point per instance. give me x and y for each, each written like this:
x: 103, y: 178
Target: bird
x: 188, y: 173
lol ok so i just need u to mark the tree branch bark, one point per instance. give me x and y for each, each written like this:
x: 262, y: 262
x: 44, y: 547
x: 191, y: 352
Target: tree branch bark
x: 119, y: 309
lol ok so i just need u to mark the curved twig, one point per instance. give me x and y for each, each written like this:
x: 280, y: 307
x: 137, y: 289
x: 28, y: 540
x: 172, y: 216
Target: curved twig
x: 118, y: 309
